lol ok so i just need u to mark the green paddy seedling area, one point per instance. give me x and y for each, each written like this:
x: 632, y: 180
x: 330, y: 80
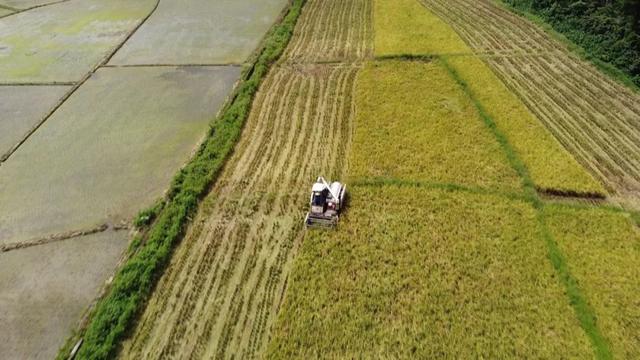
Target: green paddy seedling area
x: 450, y: 246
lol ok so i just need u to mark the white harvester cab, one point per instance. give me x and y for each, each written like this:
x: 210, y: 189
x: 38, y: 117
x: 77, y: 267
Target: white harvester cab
x: 326, y: 202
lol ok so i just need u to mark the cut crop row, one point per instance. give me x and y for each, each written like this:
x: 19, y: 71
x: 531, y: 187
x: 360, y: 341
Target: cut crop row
x: 226, y: 280
x: 333, y: 31
x: 595, y: 118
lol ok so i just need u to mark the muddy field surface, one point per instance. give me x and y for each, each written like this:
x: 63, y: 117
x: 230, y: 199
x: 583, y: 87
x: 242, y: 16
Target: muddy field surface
x: 594, y: 117
x: 45, y: 289
x: 20, y: 114
x: 101, y: 162
x: 64, y: 41
x: 200, y: 32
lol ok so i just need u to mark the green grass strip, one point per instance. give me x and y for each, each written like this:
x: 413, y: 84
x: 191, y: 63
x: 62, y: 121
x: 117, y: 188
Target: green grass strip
x: 584, y: 312
x: 133, y: 282
x: 450, y: 187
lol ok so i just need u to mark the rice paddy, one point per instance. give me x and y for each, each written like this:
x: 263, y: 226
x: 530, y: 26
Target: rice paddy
x: 421, y: 273
x: 603, y: 252
x: 596, y: 119
x: 414, y: 123
x: 450, y: 246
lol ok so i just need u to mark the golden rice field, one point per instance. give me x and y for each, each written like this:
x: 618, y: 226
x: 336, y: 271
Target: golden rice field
x: 422, y: 274
x: 550, y: 166
x: 414, y: 123
x: 603, y: 252
x: 439, y: 255
x: 595, y: 118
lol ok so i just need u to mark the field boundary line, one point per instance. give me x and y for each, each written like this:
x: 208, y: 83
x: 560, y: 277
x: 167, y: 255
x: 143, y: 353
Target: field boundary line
x: 18, y: 11
x: 58, y: 237
x: 115, y: 313
x: 451, y: 187
x: 76, y: 86
x: 106, y: 66
x: 578, y: 301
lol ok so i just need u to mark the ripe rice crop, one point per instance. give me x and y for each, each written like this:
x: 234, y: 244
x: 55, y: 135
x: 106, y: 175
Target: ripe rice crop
x: 551, y: 167
x: 602, y: 248
x: 413, y: 122
x: 404, y: 27
x: 591, y: 115
x: 419, y: 273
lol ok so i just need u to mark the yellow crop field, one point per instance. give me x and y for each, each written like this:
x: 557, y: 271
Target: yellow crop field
x: 424, y: 274
x: 413, y: 122
x: 551, y: 167
x: 603, y: 252
x: 404, y: 27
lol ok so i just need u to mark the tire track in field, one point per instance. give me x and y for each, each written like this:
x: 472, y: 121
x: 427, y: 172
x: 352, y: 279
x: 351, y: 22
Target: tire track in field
x: 219, y: 296
x: 594, y: 117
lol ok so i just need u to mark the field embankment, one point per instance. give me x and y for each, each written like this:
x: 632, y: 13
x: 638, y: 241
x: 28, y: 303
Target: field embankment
x: 594, y: 117
x: 225, y: 281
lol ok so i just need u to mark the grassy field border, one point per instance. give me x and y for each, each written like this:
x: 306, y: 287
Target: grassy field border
x: 607, y: 68
x: 117, y: 311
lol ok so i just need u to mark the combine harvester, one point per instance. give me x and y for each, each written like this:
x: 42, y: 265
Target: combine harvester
x: 326, y: 203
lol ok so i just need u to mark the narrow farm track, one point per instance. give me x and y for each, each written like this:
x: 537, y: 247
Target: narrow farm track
x: 221, y: 292
x: 594, y: 117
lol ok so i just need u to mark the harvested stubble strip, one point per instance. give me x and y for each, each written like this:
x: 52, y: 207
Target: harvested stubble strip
x: 602, y: 249
x: 333, y: 30
x: 421, y: 273
x: 414, y: 122
x: 404, y: 27
x: 551, y: 167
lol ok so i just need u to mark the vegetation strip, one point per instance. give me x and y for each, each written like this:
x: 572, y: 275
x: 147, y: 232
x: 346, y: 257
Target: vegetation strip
x: 116, y: 312
x: 584, y: 312
x: 379, y: 182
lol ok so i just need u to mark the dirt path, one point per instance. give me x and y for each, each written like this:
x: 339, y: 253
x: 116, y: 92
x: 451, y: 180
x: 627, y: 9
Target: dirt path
x: 595, y: 118
x: 221, y: 292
